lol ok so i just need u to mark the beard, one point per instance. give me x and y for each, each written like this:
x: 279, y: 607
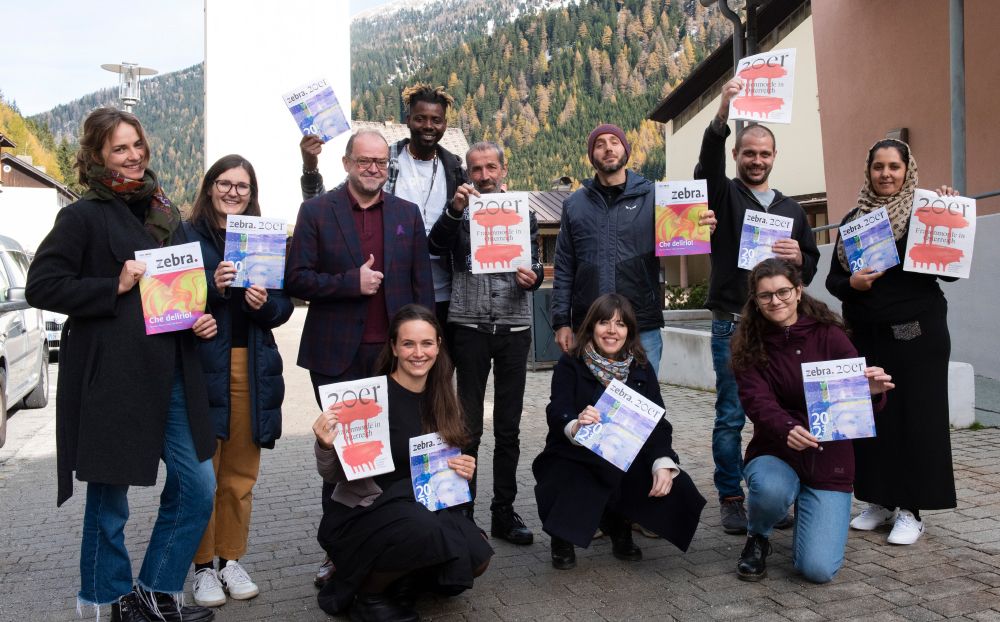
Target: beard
x: 746, y: 178
x: 609, y: 168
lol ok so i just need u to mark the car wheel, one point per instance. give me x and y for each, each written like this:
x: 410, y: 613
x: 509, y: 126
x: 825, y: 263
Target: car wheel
x: 3, y: 407
x: 39, y: 396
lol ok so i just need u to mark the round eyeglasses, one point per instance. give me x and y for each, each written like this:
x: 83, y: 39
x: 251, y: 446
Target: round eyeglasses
x: 224, y: 186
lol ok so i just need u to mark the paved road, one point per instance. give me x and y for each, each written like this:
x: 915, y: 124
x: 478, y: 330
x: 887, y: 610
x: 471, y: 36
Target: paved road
x: 953, y: 572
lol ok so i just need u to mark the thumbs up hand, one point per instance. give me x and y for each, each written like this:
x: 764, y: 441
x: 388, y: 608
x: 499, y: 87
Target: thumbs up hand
x: 370, y: 279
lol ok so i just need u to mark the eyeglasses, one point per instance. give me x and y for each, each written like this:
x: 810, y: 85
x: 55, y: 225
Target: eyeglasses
x: 783, y: 294
x: 224, y: 186
x: 366, y: 163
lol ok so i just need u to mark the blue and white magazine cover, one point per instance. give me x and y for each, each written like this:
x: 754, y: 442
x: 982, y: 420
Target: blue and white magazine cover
x: 257, y: 246
x: 760, y: 231
x: 317, y: 110
x: 436, y: 485
x: 869, y: 243
x: 838, y: 399
x: 627, y: 420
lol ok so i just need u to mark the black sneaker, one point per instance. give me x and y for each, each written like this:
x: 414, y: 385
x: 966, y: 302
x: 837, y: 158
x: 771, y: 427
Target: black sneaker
x: 734, y: 515
x: 161, y: 607
x: 507, y: 525
x: 127, y: 609
x: 753, y: 561
x: 563, y: 554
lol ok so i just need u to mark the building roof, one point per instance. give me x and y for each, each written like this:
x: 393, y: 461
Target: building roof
x: 547, y: 205
x: 454, y: 140
x: 6, y: 142
x: 720, y: 62
x: 32, y: 171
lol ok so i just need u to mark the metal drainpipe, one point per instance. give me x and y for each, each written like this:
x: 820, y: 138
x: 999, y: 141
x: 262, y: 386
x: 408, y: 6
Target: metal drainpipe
x: 738, y: 37
x: 956, y: 36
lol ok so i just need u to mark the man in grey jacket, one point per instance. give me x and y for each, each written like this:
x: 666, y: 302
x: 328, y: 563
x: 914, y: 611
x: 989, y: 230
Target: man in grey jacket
x: 489, y: 318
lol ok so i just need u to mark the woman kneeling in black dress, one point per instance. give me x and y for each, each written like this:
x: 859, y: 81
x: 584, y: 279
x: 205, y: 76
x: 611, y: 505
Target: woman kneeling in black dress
x: 576, y: 489
x: 384, y: 544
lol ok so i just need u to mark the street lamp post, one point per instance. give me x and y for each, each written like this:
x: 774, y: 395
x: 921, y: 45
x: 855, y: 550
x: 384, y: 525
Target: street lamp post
x: 128, y: 81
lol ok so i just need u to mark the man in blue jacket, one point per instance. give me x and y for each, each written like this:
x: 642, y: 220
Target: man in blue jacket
x: 606, y: 244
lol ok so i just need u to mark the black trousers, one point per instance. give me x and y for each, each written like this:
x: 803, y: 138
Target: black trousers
x: 475, y: 352
x: 363, y: 366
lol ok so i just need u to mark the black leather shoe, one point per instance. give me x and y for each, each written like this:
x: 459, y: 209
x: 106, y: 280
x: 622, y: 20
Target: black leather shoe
x: 620, y: 532
x: 563, y: 554
x: 753, y: 561
x: 127, y: 609
x: 161, y: 607
x: 507, y: 525
x: 325, y: 572
x: 404, y: 591
x: 380, y: 608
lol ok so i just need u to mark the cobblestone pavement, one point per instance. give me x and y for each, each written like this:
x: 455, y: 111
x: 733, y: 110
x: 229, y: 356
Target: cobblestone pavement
x: 952, y: 572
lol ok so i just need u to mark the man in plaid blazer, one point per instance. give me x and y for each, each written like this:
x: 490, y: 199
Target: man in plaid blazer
x: 357, y: 256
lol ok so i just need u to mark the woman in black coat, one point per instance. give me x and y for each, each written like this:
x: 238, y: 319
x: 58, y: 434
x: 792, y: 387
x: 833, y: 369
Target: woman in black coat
x: 243, y: 370
x: 578, y: 491
x: 899, y: 320
x: 125, y: 399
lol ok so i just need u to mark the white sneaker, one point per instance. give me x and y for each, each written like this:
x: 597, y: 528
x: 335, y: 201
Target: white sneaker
x: 237, y: 581
x: 207, y: 588
x: 907, y: 529
x: 873, y: 516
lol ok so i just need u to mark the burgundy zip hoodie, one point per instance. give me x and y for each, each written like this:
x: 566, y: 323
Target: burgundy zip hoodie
x: 774, y: 399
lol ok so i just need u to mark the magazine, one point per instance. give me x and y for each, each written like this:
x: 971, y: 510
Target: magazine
x: 869, y: 243
x: 363, y: 413
x: 257, y: 246
x: 436, y: 485
x: 942, y: 234
x: 760, y: 231
x: 499, y: 231
x: 768, y: 85
x: 838, y: 399
x: 679, y: 205
x: 627, y: 420
x: 173, y: 289
x: 317, y: 110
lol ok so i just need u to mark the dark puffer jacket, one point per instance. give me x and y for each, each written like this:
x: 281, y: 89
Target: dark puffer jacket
x: 605, y: 248
x: 267, y: 386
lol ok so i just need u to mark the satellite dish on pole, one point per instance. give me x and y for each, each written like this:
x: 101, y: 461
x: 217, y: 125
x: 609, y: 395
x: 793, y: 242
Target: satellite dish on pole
x: 128, y: 81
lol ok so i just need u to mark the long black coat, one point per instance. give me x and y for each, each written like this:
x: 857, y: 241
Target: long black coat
x: 267, y: 386
x: 114, y: 380
x: 573, y: 484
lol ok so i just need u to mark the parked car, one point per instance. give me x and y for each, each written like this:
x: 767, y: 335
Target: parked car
x: 53, y: 331
x: 24, y: 353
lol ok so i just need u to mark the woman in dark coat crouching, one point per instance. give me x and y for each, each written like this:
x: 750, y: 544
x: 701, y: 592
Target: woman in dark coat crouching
x: 243, y: 371
x: 578, y: 491
x: 125, y: 399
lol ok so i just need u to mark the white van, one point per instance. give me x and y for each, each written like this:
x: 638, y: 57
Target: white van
x: 24, y: 353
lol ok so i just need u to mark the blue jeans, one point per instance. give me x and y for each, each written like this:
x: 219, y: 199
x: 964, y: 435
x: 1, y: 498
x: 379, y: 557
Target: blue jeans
x: 185, y: 507
x: 729, y: 416
x: 821, y: 516
x: 652, y: 343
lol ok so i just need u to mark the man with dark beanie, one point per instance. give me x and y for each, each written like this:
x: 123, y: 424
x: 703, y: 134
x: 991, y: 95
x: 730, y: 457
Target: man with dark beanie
x: 606, y: 244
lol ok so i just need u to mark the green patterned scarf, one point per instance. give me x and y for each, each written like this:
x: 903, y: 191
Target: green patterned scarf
x: 605, y: 369
x: 162, y: 218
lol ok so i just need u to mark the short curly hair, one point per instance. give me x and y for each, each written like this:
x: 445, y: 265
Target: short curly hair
x: 421, y: 92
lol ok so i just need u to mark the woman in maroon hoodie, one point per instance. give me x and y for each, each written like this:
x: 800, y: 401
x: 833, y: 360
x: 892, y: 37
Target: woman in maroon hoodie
x: 781, y: 328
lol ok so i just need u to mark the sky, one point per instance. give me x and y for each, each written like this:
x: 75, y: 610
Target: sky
x: 54, y: 49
